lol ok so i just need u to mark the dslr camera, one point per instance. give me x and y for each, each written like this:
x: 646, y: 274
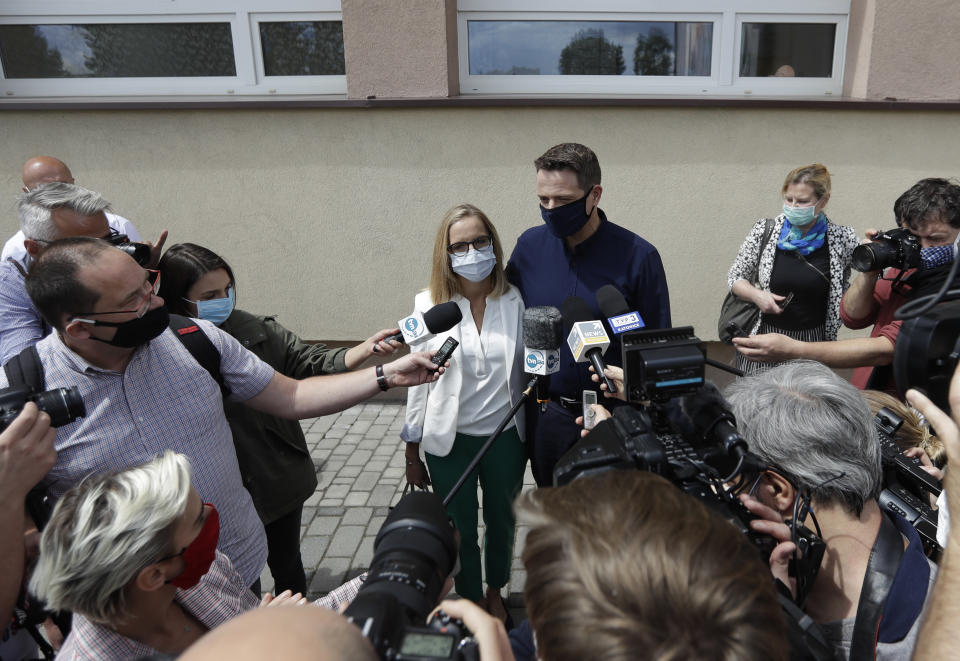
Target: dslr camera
x: 897, y: 248
x: 413, y: 554
x: 63, y: 405
x: 139, y: 251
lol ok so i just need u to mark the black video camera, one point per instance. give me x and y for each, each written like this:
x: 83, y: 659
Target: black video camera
x: 906, y: 486
x: 414, y: 553
x: 63, y: 405
x: 897, y: 248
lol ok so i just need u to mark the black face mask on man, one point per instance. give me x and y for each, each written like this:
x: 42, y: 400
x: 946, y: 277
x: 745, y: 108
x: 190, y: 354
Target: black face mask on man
x: 135, y: 332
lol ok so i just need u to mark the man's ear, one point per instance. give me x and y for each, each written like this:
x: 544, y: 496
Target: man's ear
x: 151, y: 578
x: 777, y: 492
x: 596, y: 193
x: 76, y: 330
x: 32, y: 247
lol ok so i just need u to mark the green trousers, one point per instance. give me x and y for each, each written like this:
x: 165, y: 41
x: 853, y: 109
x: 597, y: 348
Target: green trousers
x: 500, y: 474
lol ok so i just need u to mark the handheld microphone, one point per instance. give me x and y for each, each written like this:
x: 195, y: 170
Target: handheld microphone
x: 542, y: 337
x: 613, y: 306
x: 587, y: 339
x: 418, y: 327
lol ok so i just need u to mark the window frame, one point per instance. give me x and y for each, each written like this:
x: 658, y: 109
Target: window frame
x: 243, y: 16
x: 724, y: 79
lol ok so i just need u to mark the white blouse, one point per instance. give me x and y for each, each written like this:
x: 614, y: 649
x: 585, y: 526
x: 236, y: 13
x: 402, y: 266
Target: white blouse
x: 484, y: 399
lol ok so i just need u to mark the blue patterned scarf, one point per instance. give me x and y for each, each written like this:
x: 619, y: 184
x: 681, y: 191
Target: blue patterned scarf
x: 793, y: 238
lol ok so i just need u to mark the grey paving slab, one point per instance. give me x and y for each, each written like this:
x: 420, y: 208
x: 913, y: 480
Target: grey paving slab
x: 359, y: 461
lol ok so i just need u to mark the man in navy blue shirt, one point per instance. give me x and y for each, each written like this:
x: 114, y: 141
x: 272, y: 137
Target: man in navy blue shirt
x: 573, y: 253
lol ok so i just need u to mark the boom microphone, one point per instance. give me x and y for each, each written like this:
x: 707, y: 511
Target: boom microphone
x: 417, y: 328
x: 542, y: 337
x: 613, y: 306
x: 587, y: 339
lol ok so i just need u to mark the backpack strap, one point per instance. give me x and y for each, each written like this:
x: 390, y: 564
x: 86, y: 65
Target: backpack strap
x: 200, y: 347
x: 25, y: 370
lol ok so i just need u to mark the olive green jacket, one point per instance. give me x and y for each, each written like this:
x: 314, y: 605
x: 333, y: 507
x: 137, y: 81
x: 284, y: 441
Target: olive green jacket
x: 274, y: 459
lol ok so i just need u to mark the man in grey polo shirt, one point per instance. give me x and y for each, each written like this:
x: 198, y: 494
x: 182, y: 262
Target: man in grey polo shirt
x: 144, y: 391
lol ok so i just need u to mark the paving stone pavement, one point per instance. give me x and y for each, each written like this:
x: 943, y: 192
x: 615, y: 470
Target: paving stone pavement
x: 359, y: 459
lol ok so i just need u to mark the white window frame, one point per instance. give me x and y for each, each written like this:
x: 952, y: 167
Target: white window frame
x: 727, y: 17
x: 243, y: 16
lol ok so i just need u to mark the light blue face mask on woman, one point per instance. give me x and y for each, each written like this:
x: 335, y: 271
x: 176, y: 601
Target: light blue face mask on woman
x: 216, y: 310
x: 799, y: 216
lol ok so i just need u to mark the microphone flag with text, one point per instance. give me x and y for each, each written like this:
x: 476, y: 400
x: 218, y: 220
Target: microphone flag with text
x: 587, y: 339
x: 418, y: 327
x: 613, y: 306
x: 542, y: 337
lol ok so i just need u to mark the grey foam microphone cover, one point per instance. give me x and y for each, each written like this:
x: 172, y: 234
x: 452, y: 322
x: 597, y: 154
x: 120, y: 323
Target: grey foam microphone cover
x: 542, y: 328
x: 441, y: 318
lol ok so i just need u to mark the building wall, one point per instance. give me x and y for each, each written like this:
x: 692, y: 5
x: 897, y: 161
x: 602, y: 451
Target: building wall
x: 328, y: 215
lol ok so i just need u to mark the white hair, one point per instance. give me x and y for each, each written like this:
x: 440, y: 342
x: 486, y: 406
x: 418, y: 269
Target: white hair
x: 104, y: 531
x: 34, y: 207
x: 805, y: 420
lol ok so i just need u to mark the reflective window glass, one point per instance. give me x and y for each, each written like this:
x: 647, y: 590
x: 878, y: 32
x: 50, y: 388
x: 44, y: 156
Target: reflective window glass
x: 788, y: 50
x: 590, y: 48
x: 302, y: 48
x: 120, y: 50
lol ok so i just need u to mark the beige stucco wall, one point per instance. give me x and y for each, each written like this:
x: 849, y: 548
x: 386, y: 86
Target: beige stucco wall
x: 903, y: 50
x: 328, y: 215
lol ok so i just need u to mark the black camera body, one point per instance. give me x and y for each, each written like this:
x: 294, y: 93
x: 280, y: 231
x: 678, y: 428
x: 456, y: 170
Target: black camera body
x: 139, y: 251
x: 413, y: 554
x: 661, y: 364
x: 63, y: 405
x: 906, y: 486
x: 898, y: 248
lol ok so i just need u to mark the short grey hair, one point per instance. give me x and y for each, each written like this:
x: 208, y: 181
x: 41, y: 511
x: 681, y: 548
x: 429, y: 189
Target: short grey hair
x: 808, y: 422
x: 104, y: 531
x: 34, y: 207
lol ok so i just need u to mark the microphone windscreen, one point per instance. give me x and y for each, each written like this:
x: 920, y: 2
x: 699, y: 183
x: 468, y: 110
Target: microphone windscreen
x: 441, y: 318
x: 611, y: 302
x: 542, y: 328
x: 575, y: 310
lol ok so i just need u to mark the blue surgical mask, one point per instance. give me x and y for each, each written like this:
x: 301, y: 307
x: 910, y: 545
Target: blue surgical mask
x: 799, y: 216
x: 474, y: 265
x: 216, y: 310
x: 934, y: 256
x: 568, y: 219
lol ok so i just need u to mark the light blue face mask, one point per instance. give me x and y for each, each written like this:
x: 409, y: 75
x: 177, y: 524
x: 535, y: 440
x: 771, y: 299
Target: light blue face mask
x: 474, y: 265
x: 216, y: 310
x: 799, y: 216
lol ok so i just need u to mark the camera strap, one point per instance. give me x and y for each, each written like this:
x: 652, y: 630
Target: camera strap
x: 881, y: 569
x: 25, y: 370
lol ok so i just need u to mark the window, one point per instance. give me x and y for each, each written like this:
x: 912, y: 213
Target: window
x: 646, y: 47
x: 97, y: 48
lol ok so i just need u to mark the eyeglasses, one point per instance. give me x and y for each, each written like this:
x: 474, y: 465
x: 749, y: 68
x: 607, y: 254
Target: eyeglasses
x: 113, y: 237
x: 461, y: 247
x: 153, y: 281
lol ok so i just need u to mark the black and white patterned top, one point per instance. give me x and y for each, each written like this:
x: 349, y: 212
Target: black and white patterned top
x: 841, y: 240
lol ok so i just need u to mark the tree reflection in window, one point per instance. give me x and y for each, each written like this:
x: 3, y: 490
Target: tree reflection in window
x: 303, y: 48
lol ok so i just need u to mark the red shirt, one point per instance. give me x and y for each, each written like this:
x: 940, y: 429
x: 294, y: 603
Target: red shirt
x: 885, y: 304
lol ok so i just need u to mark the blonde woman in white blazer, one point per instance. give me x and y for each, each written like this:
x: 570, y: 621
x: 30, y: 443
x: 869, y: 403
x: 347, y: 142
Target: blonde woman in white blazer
x: 452, y: 417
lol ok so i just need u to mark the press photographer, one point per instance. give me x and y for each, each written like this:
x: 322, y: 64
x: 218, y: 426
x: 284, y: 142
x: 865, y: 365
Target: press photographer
x: 818, y: 436
x: 897, y: 266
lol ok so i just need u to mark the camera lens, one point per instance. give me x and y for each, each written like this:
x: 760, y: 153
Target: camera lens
x: 874, y: 256
x: 63, y: 405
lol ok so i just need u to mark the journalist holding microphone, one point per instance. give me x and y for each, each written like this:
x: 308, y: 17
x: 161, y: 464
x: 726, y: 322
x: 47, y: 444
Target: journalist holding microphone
x: 452, y: 418
x: 274, y: 459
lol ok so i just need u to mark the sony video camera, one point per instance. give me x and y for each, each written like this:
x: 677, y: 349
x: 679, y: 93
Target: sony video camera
x: 682, y: 429
x: 414, y: 553
x: 897, y: 248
